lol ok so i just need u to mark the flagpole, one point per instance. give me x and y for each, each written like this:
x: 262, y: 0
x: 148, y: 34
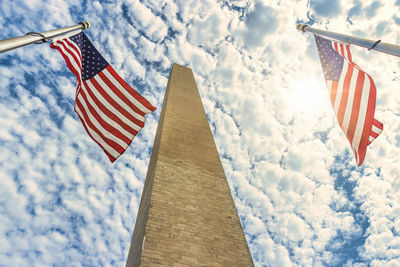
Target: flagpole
x: 377, y: 45
x: 39, y: 37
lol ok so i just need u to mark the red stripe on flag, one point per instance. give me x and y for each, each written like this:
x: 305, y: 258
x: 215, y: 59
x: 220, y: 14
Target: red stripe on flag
x: 342, y: 51
x: 356, y: 106
x: 334, y: 88
x: 335, y: 45
x: 378, y: 124
x: 374, y: 134
x: 345, y: 94
x: 355, y: 153
x: 348, y: 53
x: 368, y: 121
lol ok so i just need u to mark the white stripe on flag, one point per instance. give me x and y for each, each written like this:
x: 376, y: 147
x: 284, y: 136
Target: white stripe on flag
x: 376, y: 129
x: 96, y: 137
x: 350, y: 100
x: 344, y: 51
x: 370, y: 138
x: 346, y: 55
x: 329, y: 85
x: 361, y: 114
x: 124, y: 91
x: 109, y: 106
x: 333, y: 46
x: 355, y: 151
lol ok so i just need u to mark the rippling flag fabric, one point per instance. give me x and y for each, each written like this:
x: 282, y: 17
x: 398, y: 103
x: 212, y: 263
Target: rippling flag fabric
x: 111, y: 111
x: 352, y: 94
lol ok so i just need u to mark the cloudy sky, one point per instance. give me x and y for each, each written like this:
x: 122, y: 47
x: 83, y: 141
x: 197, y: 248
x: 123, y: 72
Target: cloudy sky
x: 299, y: 194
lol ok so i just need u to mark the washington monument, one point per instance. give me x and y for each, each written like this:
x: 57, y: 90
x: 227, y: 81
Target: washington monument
x: 187, y: 216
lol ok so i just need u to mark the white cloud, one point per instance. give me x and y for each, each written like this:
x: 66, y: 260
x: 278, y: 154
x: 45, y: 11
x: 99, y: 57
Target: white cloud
x: 326, y: 8
x: 259, y: 23
x: 209, y: 30
x: 152, y: 25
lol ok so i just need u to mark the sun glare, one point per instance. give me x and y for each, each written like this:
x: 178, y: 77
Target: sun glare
x: 309, y: 95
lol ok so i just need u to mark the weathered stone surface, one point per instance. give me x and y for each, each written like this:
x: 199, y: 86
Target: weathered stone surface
x: 187, y: 216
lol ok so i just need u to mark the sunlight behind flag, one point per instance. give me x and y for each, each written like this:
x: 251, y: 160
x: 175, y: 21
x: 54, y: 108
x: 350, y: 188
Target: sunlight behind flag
x: 352, y: 93
x: 307, y: 96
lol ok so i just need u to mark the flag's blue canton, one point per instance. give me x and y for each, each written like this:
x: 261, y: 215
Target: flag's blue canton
x: 92, y: 61
x: 331, y: 61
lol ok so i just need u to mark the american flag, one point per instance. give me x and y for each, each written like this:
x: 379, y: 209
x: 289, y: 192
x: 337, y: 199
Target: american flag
x: 352, y: 93
x: 111, y: 111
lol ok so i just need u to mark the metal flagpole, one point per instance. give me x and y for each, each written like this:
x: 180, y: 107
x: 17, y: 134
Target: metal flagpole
x: 377, y: 45
x: 39, y: 37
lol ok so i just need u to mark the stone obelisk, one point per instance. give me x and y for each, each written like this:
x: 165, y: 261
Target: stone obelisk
x: 186, y: 216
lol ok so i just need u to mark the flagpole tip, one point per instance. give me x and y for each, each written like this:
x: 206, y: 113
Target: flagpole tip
x: 86, y: 25
x: 301, y: 27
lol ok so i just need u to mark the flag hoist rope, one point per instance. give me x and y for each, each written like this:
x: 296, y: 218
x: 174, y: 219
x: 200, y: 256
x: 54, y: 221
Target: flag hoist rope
x: 376, y: 45
x: 39, y: 37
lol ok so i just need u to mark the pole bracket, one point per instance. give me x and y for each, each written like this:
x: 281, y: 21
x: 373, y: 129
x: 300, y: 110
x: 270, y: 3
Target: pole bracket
x: 85, y: 25
x: 373, y: 46
x: 44, y: 40
x: 301, y: 27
